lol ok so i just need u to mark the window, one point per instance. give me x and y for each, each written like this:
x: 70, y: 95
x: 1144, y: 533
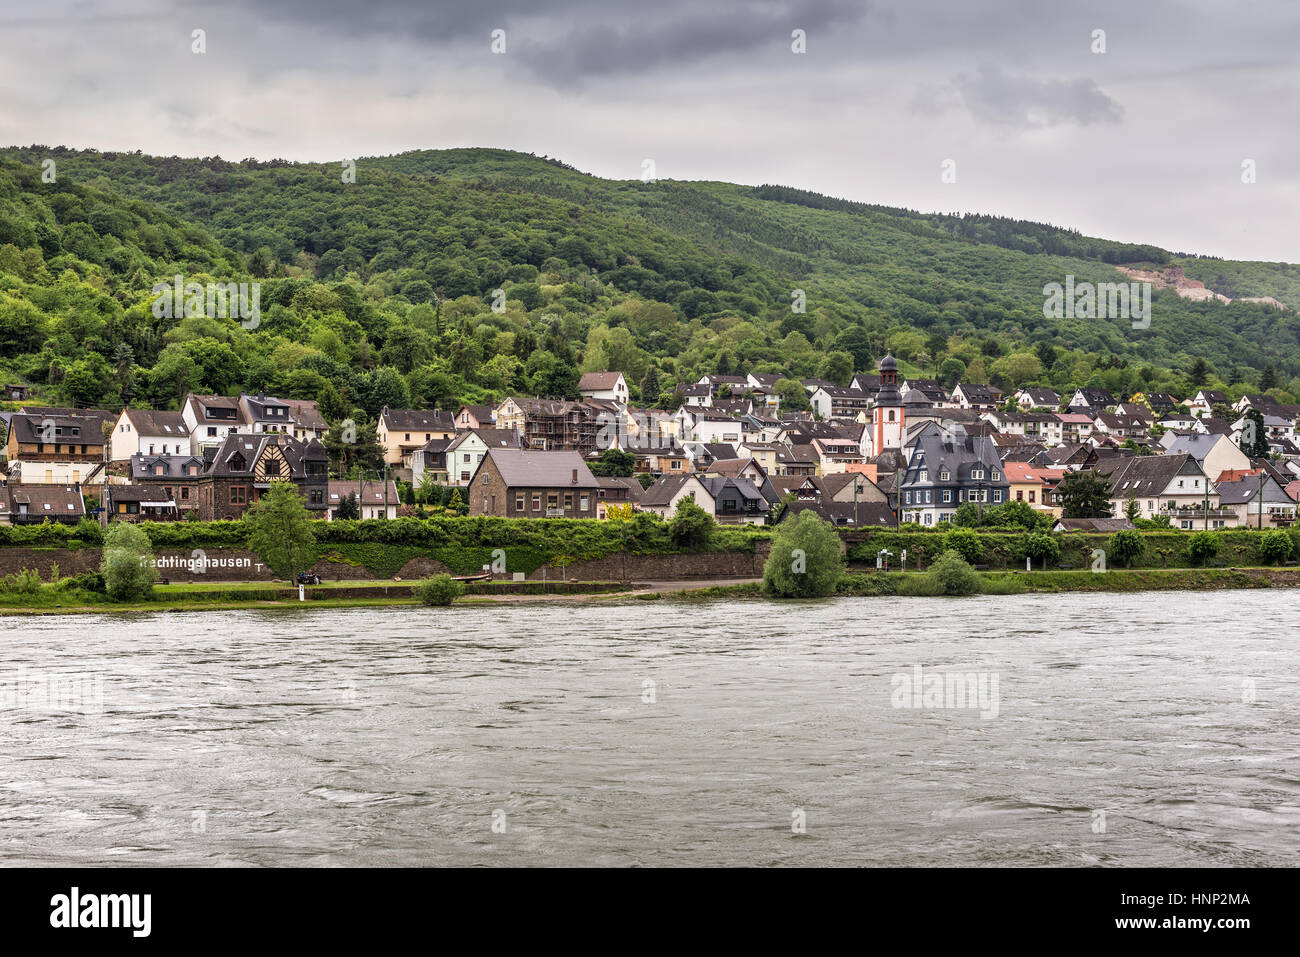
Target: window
x: 466, y: 457
x: 582, y: 502
x: 947, y: 495
x: 485, y: 479
x: 977, y: 473
x: 519, y: 501
x: 272, y: 468
x: 185, y: 493
x: 316, y: 497
x: 537, y: 502
x: 997, y: 495
x: 464, y: 476
x: 238, y: 495
x: 212, y: 431
x: 924, y: 476
x: 1020, y: 495
x: 568, y: 500
x: 408, y: 436
x: 552, y: 500
x: 907, y: 498
x: 945, y: 476
x: 996, y: 477
x: 1031, y: 495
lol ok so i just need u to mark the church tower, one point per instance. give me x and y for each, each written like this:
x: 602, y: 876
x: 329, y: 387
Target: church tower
x: 887, y: 425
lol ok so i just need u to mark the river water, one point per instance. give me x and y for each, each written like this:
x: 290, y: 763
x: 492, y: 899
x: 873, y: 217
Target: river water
x: 1151, y: 729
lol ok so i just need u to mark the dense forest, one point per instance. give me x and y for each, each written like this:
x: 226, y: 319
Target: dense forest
x: 433, y: 278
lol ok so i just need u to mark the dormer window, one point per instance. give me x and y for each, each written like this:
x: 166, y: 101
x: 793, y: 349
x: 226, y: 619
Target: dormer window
x: 945, y: 476
x: 237, y: 463
x: 977, y: 473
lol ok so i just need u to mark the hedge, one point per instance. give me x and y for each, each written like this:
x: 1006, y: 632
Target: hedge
x: 1005, y: 550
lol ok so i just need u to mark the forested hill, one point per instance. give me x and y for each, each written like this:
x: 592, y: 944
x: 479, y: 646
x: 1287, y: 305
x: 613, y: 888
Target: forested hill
x: 380, y: 291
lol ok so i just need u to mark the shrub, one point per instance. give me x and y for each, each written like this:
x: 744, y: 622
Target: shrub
x: 438, y: 590
x: 691, y: 526
x: 805, y: 559
x: 127, y: 563
x: 1202, y: 546
x: 1126, y: 545
x: 951, y: 575
x: 965, y: 542
x: 86, y: 581
x: 26, y: 581
x: 1275, y: 546
x: 1039, y: 546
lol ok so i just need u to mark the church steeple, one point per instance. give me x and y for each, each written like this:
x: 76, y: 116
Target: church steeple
x: 887, y: 415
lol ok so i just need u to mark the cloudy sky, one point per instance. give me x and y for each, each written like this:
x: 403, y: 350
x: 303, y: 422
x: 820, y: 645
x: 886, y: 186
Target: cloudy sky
x: 1144, y: 142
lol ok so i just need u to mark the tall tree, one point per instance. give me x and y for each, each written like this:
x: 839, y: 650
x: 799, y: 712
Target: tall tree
x: 1084, y: 494
x: 280, y: 531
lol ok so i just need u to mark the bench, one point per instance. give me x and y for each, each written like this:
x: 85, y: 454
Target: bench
x: 980, y: 568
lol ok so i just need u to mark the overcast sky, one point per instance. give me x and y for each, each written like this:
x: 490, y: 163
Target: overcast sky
x: 1144, y: 142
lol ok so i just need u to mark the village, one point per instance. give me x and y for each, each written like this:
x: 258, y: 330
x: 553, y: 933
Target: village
x: 883, y: 451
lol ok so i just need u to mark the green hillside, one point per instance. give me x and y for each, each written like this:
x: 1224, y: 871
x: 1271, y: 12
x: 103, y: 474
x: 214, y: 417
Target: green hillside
x: 380, y: 291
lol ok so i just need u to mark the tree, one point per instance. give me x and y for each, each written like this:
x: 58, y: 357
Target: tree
x: 965, y: 542
x: 1132, y: 509
x: 615, y: 463
x: 952, y: 575
x: 280, y: 531
x: 1275, y: 546
x: 794, y: 397
x: 127, y: 563
x: 619, y: 512
x: 855, y: 341
x: 1202, y: 546
x: 691, y: 526
x: 1254, y: 440
x: 1084, y: 494
x: 1268, y: 380
x: 348, y: 507
x: 805, y: 559
x: 1126, y: 545
x: 1039, y: 546
x: 837, y: 367
x: 1198, y: 372
x: 951, y: 370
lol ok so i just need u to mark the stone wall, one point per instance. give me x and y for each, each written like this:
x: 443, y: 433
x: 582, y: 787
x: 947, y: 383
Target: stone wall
x: 229, y: 564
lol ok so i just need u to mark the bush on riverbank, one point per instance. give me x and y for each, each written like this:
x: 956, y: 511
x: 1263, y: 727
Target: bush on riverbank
x: 438, y: 590
x: 805, y: 559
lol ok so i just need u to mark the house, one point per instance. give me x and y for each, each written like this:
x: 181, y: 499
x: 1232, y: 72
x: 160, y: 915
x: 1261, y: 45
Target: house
x: 604, y: 385
x: 1244, y: 497
x: 210, y: 419
x: 735, y: 468
x: 705, y: 425
x: 1172, y: 484
x: 1037, y: 397
x: 616, y: 490
x: 732, y: 500
x: 261, y: 414
x: 475, y: 417
x: 140, y: 503
x: 1033, y: 425
x: 945, y: 469
x: 26, y: 504
x: 54, y: 449
x: 177, y: 476
x: 550, y: 425
x: 306, y: 421
x: 374, y: 499
x: 844, y: 514
x: 526, y: 483
x: 796, y: 459
x: 1121, y: 426
x: 730, y: 384
x: 1160, y: 403
x: 1277, y: 428
x: 152, y: 433
x: 237, y: 472
x: 1215, y: 454
x: 1177, y: 421
x: 17, y: 393
x: 833, y: 402
x: 1034, y: 485
x: 969, y: 395
x: 1205, y: 400
x: 429, y: 463
x: 1098, y: 400
x: 699, y: 396
x: 465, y: 452
x: 403, y: 432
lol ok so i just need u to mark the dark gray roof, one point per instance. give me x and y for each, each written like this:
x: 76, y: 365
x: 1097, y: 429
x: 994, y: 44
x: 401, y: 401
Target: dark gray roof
x: 417, y: 420
x: 843, y: 513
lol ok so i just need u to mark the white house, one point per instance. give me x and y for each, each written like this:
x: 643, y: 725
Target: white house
x: 374, y: 499
x: 140, y: 431
x: 604, y: 385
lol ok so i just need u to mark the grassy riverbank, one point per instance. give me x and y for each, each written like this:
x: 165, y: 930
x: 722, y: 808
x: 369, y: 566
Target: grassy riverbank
x: 221, y: 596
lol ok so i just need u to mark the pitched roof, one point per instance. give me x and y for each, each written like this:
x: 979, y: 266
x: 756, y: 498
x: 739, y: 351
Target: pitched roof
x: 1093, y: 524
x: 491, y: 437
x: 1144, y: 475
x: 150, y: 422
x: 370, y: 492
x: 41, y: 499
x: 68, y: 429
x: 843, y: 513
x: 598, y: 381
x: 664, y: 488
x: 306, y: 414
x: 417, y: 420
x: 525, y: 467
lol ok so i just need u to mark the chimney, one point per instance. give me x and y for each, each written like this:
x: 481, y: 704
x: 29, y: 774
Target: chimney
x: 575, y: 476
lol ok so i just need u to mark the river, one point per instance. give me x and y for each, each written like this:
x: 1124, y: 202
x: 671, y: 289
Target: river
x: 1150, y: 729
